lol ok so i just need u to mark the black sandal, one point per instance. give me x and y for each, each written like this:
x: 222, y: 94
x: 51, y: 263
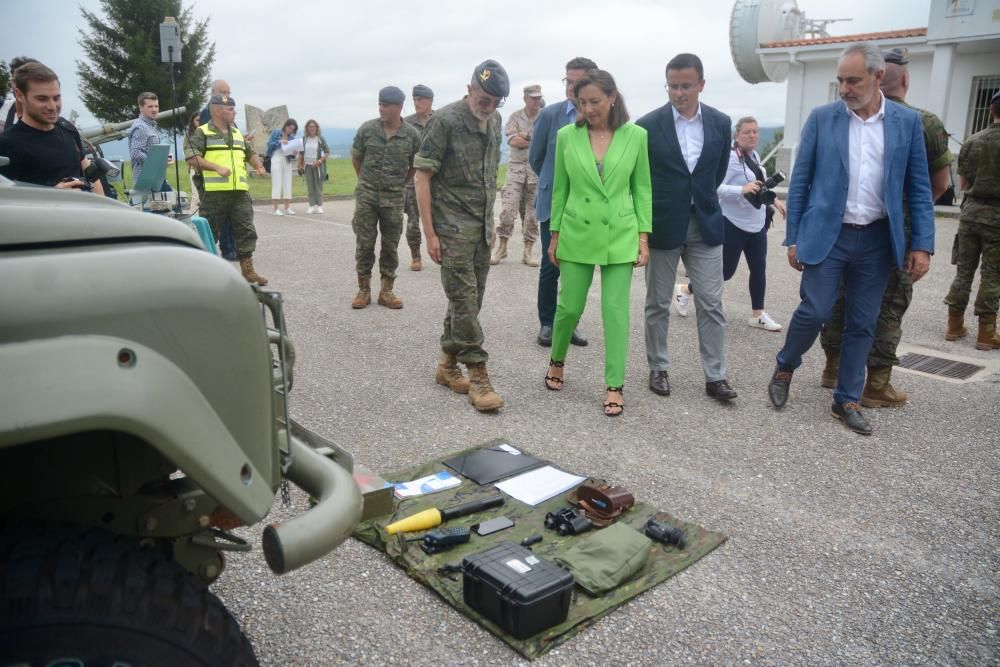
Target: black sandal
x: 612, y: 404
x: 558, y: 382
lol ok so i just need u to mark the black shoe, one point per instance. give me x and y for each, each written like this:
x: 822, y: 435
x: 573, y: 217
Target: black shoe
x: 850, y: 414
x: 720, y: 390
x: 578, y: 338
x: 777, y: 389
x: 545, y: 336
x: 659, y: 383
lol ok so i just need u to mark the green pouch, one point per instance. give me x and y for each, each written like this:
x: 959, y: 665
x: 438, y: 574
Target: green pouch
x: 607, y: 558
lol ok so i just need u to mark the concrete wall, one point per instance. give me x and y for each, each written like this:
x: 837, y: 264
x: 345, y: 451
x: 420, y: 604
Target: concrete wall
x: 945, y: 23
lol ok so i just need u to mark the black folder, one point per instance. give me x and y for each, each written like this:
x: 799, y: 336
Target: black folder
x: 485, y: 466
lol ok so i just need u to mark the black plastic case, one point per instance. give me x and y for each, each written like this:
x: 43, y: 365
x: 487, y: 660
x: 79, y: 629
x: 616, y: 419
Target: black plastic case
x: 519, y: 591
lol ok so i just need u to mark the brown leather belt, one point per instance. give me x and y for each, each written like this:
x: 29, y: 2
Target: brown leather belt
x: 603, y: 503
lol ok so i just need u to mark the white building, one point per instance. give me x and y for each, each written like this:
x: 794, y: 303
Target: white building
x: 954, y: 68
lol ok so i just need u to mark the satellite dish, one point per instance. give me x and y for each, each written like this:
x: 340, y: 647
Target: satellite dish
x: 756, y: 22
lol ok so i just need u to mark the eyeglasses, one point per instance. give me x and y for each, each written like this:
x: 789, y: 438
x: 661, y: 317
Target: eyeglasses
x: 487, y: 102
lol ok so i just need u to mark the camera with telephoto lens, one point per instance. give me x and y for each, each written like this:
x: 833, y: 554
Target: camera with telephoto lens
x: 97, y: 169
x: 766, y: 195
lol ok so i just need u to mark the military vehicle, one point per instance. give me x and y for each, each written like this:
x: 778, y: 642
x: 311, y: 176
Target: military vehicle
x: 143, y: 417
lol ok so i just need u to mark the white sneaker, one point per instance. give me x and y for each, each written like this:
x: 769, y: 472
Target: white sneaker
x: 681, y: 299
x: 319, y: 209
x: 289, y: 211
x: 310, y: 210
x: 278, y: 211
x: 764, y: 322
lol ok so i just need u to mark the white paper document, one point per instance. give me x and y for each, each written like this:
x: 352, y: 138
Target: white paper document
x: 292, y: 147
x: 537, y: 486
x: 430, y: 484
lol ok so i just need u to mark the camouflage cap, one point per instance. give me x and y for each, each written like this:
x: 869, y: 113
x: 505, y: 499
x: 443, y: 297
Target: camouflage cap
x: 533, y: 90
x: 492, y: 78
x: 420, y: 90
x: 224, y: 100
x: 391, y: 95
x: 899, y: 55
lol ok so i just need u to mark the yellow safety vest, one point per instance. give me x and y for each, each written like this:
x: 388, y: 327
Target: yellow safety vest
x: 217, y: 151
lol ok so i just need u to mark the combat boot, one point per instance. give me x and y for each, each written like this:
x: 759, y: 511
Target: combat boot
x: 481, y: 393
x: 450, y: 375
x: 879, y: 392
x: 416, y: 263
x: 830, y: 372
x: 526, y: 257
x: 956, y: 324
x: 251, y: 276
x: 386, y: 297
x: 988, y: 338
x: 364, y: 296
x: 500, y: 253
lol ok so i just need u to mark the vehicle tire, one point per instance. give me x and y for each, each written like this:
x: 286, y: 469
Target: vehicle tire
x: 84, y: 596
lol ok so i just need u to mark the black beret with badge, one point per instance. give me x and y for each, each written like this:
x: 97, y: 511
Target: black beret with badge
x: 492, y: 78
x: 224, y: 100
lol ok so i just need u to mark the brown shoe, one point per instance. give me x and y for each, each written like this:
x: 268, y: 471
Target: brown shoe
x: 500, y: 253
x: 481, y: 393
x: 956, y: 324
x: 450, y: 375
x: 364, y: 295
x: 251, y: 276
x: 416, y: 264
x: 386, y: 297
x: 526, y: 256
x: 830, y: 372
x: 988, y: 338
x: 879, y: 392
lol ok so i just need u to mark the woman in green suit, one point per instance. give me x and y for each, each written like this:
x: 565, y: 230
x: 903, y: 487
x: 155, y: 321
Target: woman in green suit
x: 602, y: 213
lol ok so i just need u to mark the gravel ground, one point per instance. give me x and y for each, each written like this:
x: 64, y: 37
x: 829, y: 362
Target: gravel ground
x: 842, y: 549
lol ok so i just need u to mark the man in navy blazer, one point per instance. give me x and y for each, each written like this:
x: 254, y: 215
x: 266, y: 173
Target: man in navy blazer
x: 855, y: 160
x: 542, y: 157
x: 689, y: 146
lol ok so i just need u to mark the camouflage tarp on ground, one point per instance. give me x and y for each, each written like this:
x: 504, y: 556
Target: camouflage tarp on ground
x: 663, y: 563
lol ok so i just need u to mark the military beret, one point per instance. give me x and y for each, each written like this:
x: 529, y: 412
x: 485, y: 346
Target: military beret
x: 533, y: 91
x: 492, y: 78
x: 897, y: 56
x: 224, y: 100
x: 420, y: 90
x: 391, y: 95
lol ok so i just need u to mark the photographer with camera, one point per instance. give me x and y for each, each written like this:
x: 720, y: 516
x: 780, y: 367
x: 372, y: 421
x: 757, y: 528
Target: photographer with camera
x: 748, y: 202
x: 44, y: 149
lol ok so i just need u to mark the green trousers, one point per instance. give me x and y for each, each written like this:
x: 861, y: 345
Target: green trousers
x: 616, y: 286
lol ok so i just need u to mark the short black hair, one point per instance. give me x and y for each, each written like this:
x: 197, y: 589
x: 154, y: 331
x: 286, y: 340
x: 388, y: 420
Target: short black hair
x: 581, y: 63
x: 685, y: 61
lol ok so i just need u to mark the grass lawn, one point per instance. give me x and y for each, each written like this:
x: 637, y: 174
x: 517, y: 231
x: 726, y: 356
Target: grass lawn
x: 341, y: 182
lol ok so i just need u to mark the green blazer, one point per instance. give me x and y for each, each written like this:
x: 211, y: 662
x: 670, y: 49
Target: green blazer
x: 599, y: 221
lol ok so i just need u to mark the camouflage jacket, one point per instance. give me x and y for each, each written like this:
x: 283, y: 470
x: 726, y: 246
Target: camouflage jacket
x: 464, y: 160
x: 414, y: 120
x: 935, y: 138
x: 385, y: 162
x: 519, y: 122
x: 979, y: 165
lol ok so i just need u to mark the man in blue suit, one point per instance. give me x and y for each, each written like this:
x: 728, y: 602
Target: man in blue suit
x: 542, y: 157
x: 855, y: 160
x: 689, y: 146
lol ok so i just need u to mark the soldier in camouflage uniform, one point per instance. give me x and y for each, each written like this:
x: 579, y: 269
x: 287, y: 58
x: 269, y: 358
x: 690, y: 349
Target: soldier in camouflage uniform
x: 456, y: 185
x: 382, y: 155
x: 423, y: 102
x: 218, y: 151
x: 518, y: 194
x: 978, y: 235
x: 878, y: 391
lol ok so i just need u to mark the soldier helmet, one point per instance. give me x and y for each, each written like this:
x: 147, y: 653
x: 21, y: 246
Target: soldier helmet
x: 492, y: 78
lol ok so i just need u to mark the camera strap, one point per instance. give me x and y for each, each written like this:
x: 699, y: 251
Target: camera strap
x: 748, y: 160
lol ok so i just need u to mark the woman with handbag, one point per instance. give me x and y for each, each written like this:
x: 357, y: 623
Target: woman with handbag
x: 312, y: 164
x: 602, y: 214
x: 282, y: 158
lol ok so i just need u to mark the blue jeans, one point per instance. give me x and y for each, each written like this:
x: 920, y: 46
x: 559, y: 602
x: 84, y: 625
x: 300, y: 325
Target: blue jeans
x: 863, y: 259
x: 548, y: 280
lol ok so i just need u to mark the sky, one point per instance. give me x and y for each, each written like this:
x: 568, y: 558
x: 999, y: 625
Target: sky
x: 328, y: 60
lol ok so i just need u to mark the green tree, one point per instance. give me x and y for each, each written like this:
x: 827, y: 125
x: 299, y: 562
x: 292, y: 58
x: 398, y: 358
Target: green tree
x: 4, y: 79
x: 770, y: 165
x: 122, y: 50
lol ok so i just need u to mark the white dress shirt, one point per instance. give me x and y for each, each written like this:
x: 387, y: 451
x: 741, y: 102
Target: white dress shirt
x: 690, y: 135
x: 734, y: 205
x: 865, y: 203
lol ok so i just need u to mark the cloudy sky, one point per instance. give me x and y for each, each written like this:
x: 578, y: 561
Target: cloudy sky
x: 328, y: 60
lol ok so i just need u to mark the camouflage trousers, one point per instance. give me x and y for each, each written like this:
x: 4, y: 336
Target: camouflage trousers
x: 465, y: 263
x: 412, y: 217
x: 888, y: 328
x: 369, y: 220
x: 975, y: 241
x: 236, y: 209
x: 518, y: 197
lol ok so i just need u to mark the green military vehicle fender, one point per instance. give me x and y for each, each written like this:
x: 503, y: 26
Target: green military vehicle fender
x: 143, y: 416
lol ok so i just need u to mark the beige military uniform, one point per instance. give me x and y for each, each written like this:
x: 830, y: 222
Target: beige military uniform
x: 518, y: 194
